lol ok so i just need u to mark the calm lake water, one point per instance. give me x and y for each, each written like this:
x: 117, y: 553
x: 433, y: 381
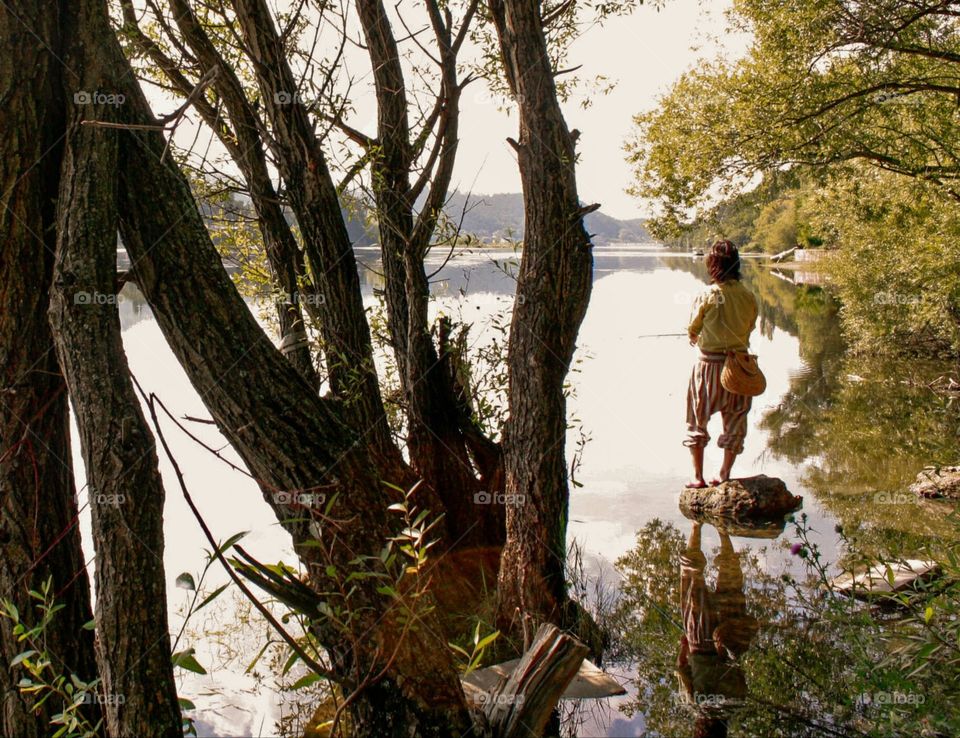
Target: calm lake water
x: 847, y: 435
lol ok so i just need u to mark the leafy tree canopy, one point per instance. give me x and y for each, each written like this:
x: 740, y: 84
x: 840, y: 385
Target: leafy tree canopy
x: 824, y: 82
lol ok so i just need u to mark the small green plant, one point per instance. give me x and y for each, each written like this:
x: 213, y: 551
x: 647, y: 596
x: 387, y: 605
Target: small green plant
x: 41, y: 679
x: 186, y: 659
x: 472, y: 659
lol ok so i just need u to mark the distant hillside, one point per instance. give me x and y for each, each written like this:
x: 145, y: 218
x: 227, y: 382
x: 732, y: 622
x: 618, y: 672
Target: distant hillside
x: 488, y: 217
x: 499, y: 217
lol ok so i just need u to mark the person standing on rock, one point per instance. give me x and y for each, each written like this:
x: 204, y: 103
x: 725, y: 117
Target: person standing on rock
x: 722, y: 320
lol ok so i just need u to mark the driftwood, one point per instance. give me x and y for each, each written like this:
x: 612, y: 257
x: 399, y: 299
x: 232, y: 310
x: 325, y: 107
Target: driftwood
x: 885, y: 578
x: 590, y: 683
x: 520, y: 705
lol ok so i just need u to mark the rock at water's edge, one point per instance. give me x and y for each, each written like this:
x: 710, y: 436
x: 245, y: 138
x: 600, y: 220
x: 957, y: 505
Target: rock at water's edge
x: 938, y: 481
x: 759, y: 497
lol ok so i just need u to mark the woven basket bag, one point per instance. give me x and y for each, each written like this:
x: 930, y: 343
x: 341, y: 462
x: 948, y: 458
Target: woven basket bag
x: 741, y: 374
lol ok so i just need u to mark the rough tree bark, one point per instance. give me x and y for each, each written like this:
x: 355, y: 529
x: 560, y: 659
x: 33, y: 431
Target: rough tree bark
x: 291, y: 439
x: 313, y: 197
x: 126, y: 490
x: 241, y: 137
x: 39, y: 535
x: 445, y: 445
x: 553, y: 289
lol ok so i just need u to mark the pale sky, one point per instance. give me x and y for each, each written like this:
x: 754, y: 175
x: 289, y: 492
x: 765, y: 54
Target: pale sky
x: 642, y: 53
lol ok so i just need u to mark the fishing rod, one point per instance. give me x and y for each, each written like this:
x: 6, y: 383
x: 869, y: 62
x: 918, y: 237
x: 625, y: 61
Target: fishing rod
x: 662, y: 335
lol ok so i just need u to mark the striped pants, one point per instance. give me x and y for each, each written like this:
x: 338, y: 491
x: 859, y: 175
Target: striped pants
x: 706, y: 396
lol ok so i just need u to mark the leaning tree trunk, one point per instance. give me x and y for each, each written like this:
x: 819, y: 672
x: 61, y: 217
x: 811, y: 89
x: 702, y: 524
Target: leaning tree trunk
x: 553, y: 289
x: 293, y: 441
x: 39, y: 535
x: 313, y: 197
x: 126, y: 491
x: 245, y: 145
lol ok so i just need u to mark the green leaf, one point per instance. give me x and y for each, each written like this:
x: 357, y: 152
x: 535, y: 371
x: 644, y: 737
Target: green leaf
x: 185, y: 581
x: 420, y: 518
x: 212, y: 596
x: 186, y: 660
x: 486, y: 641
x: 232, y: 540
x: 21, y: 657
x: 928, y: 615
x: 257, y: 658
x: 459, y: 650
x: 305, y: 681
x: 186, y: 704
x: 90, y: 625
x: 291, y: 662
x: 330, y: 503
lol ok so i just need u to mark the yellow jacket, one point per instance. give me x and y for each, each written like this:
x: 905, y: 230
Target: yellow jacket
x: 723, y: 317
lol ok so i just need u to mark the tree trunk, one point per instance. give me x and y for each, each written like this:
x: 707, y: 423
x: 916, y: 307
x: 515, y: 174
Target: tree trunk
x: 39, y: 535
x: 126, y: 491
x: 437, y: 441
x: 246, y: 148
x: 292, y: 441
x: 313, y: 197
x: 553, y: 289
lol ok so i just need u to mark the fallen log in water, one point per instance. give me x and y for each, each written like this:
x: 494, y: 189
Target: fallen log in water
x: 520, y: 704
x: 885, y: 578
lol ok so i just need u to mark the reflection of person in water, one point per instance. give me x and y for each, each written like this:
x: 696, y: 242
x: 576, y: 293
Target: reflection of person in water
x: 717, y: 630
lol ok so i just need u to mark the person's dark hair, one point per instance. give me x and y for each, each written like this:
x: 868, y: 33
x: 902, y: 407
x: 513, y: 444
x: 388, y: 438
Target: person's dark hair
x: 723, y: 261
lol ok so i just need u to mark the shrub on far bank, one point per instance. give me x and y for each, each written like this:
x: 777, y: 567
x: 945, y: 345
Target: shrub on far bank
x: 896, y: 265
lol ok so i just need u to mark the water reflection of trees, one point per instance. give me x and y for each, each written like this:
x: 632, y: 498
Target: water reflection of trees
x: 805, y: 672
x: 863, y: 426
